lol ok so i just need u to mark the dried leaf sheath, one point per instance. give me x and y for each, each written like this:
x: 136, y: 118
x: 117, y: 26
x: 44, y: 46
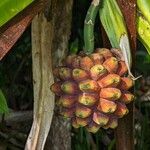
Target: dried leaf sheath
x: 42, y: 76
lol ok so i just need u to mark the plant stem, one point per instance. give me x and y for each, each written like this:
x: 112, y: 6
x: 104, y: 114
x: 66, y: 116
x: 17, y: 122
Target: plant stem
x: 89, y: 26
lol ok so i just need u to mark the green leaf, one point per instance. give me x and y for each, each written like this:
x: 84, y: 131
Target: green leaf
x: 143, y: 23
x: 74, y: 46
x: 111, y: 145
x: 112, y: 21
x: 115, y: 27
x: 3, y: 103
x: 10, y: 8
x: 144, y: 7
x: 143, y: 29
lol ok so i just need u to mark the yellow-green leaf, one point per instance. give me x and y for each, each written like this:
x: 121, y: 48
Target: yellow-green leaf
x: 143, y: 29
x: 10, y: 8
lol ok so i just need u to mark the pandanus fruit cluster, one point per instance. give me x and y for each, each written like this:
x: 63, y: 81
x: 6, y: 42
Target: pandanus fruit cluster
x: 93, y: 89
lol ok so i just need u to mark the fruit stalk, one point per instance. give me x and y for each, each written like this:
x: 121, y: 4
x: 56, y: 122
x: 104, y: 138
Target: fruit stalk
x: 89, y: 26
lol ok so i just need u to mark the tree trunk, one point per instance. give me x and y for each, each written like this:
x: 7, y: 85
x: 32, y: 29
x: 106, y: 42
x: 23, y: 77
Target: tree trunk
x: 60, y: 136
x: 50, y: 35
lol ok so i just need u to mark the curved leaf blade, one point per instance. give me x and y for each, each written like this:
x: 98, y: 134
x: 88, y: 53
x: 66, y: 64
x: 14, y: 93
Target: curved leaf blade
x: 115, y: 27
x: 10, y: 8
x: 144, y: 7
x: 112, y: 21
x: 143, y: 29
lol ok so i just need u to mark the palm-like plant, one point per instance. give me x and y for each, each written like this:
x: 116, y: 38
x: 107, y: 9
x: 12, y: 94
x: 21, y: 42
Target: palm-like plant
x: 9, y: 9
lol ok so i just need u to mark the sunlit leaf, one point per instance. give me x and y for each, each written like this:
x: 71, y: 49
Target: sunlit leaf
x: 144, y: 8
x: 143, y: 29
x: 112, y: 21
x: 10, y: 8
